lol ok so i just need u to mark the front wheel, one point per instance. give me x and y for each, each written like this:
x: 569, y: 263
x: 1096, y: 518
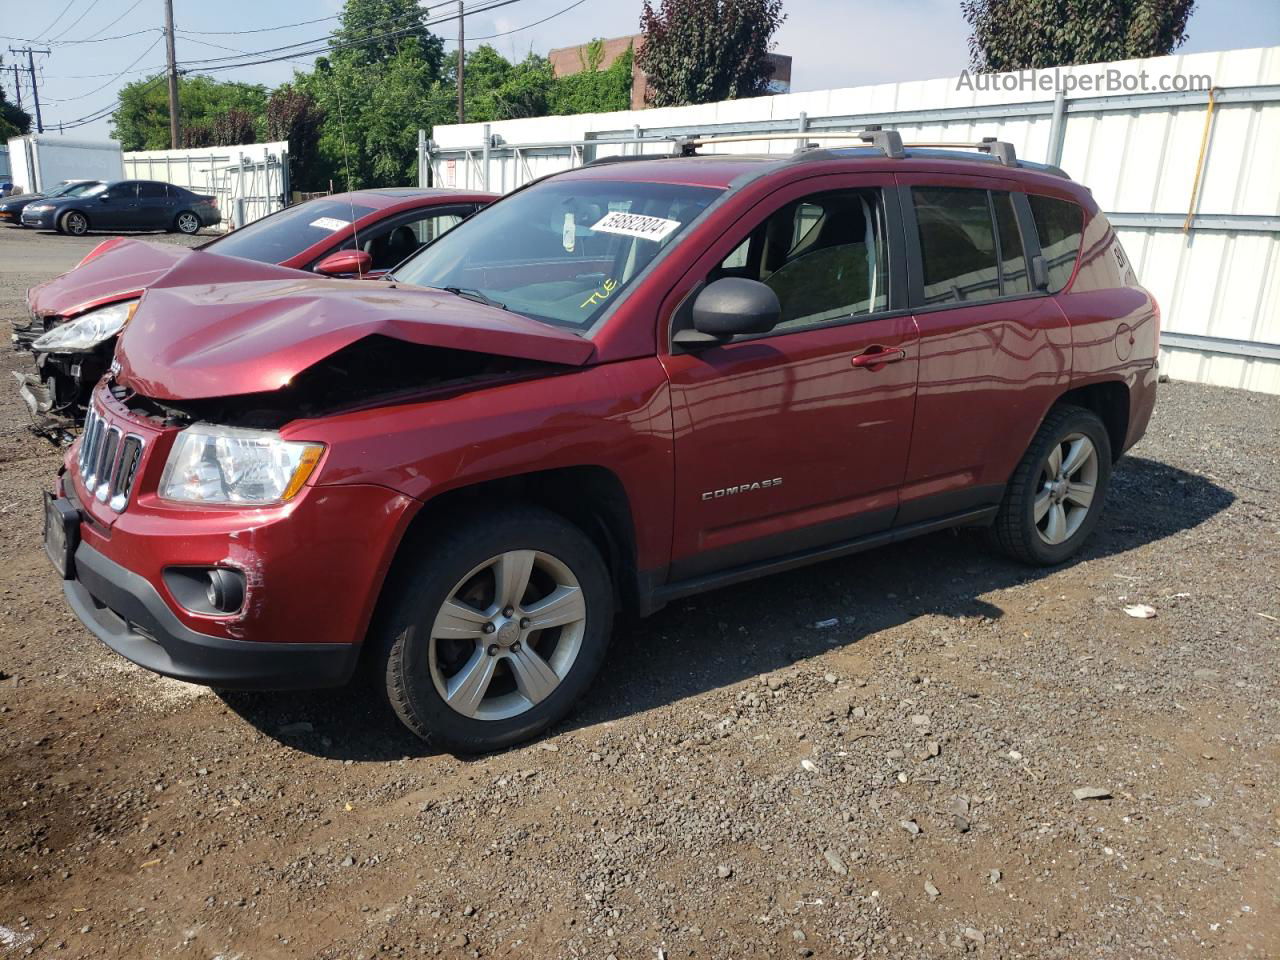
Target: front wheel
x: 496, y: 629
x: 75, y: 223
x: 1055, y: 496
x: 187, y: 222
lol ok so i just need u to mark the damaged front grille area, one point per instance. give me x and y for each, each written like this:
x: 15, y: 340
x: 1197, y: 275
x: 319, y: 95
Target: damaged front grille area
x: 108, y: 460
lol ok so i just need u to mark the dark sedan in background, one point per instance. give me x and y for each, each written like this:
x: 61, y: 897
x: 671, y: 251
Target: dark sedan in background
x: 11, y: 207
x: 74, y: 318
x: 125, y: 205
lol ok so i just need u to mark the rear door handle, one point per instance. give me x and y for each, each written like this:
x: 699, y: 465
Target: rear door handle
x: 878, y: 356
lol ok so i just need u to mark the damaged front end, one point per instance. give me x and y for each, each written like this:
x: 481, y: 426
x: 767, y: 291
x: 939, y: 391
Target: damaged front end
x: 70, y: 357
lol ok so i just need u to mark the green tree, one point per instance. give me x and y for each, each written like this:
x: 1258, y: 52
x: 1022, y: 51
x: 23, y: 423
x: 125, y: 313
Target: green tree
x: 1027, y: 34
x: 294, y: 116
x: 14, y: 121
x: 376, y: 88
x: 141, y: 122
x: 593, y: 90
x: 701, y: 51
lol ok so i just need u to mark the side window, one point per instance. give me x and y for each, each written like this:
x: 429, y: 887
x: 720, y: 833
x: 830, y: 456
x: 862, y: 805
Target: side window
x: 957, y: 244
x: 1060, y: 225
x: 127, y: 190
x: 1013, y: 259
x: 824, y: 256
x: 388, y: 245
x: 150, y: 191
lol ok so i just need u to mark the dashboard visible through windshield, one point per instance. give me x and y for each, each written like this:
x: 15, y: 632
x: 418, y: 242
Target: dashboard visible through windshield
x: 559, y: 252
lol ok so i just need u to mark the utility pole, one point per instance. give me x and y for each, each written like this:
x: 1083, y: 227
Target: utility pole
x: 31, y: 72
x: 173, y: 75
x: 17, y: 86
x: 462, y: 55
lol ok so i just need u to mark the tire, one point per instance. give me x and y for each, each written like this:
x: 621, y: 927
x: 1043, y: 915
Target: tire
x: 187, y: 222
x: 74, y: 222
x: 433, y: 664
x: 1045, y: 517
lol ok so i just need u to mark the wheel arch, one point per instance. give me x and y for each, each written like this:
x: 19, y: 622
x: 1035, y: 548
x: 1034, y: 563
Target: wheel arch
x: 589, y: 496
x: 1109, y: 399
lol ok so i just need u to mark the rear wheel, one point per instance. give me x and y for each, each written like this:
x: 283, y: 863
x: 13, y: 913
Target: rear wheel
x: 187, y: 222
x: 74, y: 223
x: 496, y: 629
x: 1055, y: 496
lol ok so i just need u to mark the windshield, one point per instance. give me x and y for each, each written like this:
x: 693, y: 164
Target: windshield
x: 72, y: 189
x: 561, y: 251
x: 93, y: 190
x: 287, y: 233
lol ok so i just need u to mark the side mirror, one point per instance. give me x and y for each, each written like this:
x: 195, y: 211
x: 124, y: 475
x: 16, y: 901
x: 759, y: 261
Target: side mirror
x: 104, y: 197
x: 345, y: 262
x: 729, y: 307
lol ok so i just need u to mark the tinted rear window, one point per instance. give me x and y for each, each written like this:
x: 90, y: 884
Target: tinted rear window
x: 1059, y: 224
x: 289, y: 232
x: 957, y: 243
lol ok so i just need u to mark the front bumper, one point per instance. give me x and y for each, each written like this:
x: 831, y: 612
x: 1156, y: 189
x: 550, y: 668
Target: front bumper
x: 41, y: 221
x: 127, y: 613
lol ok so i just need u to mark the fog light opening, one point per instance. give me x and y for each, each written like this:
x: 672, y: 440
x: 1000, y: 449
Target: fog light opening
x: 225, y: 591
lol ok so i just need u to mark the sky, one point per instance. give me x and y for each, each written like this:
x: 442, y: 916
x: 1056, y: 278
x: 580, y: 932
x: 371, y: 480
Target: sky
x: 833, y: 43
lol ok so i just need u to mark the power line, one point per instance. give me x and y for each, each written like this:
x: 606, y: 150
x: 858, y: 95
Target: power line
x: 127, y: 69
x: 218, y: 65
x: 43, y: 32
x: 97, y: 36
x: 527, y: 26
x: 87, y: 10
x: 238, y: 33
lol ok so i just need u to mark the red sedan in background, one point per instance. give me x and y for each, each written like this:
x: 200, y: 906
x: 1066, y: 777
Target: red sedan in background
x: 75, y: 318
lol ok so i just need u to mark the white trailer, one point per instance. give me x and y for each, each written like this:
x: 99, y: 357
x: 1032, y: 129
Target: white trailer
x: 40, y: 162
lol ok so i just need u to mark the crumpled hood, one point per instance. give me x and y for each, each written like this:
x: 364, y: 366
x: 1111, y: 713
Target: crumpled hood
x: 120, y: 273
x: 258, y: 326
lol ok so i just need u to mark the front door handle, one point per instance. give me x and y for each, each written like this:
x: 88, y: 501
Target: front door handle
x: 878, y: 356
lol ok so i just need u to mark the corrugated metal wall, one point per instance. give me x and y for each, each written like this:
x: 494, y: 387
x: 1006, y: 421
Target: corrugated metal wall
x: 249, y: 180
x: 1137, y: 150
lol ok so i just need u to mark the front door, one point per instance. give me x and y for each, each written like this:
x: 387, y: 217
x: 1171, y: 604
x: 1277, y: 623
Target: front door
x: 792, y: 440
x: 119, y: 209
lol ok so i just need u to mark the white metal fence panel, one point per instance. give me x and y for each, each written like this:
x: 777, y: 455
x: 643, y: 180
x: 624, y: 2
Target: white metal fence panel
x: 248, y: 180
x: 1137, y: 151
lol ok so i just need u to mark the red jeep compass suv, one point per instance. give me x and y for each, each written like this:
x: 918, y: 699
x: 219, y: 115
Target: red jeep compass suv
x: 617, y: 386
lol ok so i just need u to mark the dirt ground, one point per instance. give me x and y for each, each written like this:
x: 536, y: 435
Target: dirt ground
x: 874, y: 757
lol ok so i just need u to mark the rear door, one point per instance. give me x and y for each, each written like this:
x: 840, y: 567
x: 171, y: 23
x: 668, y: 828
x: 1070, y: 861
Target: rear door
x: 994, y: 351
x: 786, y: 441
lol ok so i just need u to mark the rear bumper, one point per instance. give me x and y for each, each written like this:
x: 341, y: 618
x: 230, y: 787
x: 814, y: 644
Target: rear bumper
x: 124, y: 611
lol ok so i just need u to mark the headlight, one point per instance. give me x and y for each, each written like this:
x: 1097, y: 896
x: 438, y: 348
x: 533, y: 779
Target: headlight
x: 40, y: 207
x: 87, y: 331
x: 213, y: 464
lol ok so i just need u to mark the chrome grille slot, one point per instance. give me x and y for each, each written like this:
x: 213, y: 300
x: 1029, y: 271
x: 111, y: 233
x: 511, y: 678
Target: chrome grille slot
x: 126, y: 468
x: 106, y: 463
x: 108, y: 460
x: 89, y: 448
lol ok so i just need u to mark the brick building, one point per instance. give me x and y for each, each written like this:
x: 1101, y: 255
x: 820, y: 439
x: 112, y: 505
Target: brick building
x: 567, y: 61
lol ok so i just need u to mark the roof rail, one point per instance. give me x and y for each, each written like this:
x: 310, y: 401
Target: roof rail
x: 888, y: 142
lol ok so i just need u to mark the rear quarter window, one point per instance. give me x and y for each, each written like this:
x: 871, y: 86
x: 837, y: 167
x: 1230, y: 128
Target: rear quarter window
x: 1060, y: 225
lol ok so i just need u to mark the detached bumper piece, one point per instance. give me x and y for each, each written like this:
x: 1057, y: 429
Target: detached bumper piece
x: 126, y: 613
x: 38, y: 395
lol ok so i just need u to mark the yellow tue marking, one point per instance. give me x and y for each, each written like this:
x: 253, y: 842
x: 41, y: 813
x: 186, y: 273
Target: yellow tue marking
x: 601, y: 294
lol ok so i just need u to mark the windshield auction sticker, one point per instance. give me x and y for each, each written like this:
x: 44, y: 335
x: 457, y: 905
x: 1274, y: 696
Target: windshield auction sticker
x: 636, y: 225
x: 329, y: 223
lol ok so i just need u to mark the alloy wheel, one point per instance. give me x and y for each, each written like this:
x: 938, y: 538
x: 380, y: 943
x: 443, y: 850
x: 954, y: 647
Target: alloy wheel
x: 1064, y: 495
x: 77, y: 225
x: 507, y: 634
x: 187, y: 223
